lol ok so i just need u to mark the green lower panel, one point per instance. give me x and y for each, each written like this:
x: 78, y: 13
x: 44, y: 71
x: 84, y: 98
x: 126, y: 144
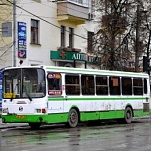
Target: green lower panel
x: 51, y: 118
x: 120, y: 114
x: 111, y: 115
x: 57, y: 118
x: 86, y: 116
x: 61, y: 118
x: 138, y: 113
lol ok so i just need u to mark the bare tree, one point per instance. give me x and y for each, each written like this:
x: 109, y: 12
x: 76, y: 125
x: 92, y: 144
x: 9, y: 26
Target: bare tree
x: 121, y: 35
x: 5, y: 42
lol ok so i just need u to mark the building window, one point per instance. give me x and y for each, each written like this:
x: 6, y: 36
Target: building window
x: 63, y: 31
x: 81, y: 2
x: 71, y: 36
x: 34, y: 31
x: 90, y: 41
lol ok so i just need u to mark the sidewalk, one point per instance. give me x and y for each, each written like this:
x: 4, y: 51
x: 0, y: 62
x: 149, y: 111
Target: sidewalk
x: 11, y: 125
x: 143, y: 117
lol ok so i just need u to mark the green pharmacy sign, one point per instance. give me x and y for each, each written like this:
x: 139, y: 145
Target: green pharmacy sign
x: 72, y: 56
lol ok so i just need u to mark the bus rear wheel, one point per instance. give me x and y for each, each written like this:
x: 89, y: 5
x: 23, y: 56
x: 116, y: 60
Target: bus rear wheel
x: 128, y: 115
x: 73, y: 118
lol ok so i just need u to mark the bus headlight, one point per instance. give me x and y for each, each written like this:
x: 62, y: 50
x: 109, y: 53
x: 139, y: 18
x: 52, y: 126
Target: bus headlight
x: 38, y: 110
x: 4, y: 110
x: 43, y: 110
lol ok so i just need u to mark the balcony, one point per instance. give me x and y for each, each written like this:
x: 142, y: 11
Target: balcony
x: 69, y: 49
x: 70, y: 12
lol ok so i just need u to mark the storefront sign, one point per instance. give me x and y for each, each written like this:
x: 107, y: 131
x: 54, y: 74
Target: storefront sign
x: 21, y: 40
x: 72, y: 56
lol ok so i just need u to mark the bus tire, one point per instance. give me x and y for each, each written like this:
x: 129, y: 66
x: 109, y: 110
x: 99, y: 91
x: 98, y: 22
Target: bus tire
x: 34, y: 125
x: 128, y: 115
x: 73, y: 118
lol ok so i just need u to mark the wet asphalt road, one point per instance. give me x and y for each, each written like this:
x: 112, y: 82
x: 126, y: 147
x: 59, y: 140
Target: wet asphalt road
x: 99, y: 137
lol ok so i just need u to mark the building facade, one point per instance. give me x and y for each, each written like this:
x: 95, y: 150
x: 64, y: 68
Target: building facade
x: 6, y: 35
x: 45, y: 32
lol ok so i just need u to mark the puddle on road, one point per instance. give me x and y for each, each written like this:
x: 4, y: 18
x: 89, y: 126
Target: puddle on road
x: 74, y: 138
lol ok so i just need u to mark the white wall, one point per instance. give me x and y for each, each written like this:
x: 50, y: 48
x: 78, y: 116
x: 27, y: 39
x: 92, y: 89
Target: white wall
x: 49, y: 34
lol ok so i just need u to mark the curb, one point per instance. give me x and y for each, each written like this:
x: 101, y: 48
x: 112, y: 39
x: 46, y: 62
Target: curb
x: 144, y: 117
x: 11, y: 125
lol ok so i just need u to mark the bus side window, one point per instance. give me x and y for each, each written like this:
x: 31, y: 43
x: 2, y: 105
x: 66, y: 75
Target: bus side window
x: 101, y: 85
x: 126, y: 86
x: 54, y: 84
x: 72, y: 85
x: 54, y: 81
x: 138, y: 86
x: 87, y: 82
x: 114, y: 83
x: 145, y: 86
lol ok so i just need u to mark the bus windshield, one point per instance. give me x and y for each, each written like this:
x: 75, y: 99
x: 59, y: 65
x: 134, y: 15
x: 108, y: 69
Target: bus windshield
x: 24, y: 83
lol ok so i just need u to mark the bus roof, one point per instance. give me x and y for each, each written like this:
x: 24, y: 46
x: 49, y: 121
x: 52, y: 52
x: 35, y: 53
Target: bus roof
x: 86, y: 71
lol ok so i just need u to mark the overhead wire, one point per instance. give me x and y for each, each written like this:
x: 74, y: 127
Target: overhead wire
x: 42, y: 19
x: 7, y: 50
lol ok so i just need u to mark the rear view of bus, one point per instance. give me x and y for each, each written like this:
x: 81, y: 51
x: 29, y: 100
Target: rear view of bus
x: 24, y: 92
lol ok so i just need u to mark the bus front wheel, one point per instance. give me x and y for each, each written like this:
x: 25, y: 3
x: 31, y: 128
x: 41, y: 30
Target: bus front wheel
x: 35, y: 125
x: 73, y: 118
x: 128, y: 115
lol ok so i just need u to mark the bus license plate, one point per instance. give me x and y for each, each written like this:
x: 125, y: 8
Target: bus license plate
x: 21, y: 116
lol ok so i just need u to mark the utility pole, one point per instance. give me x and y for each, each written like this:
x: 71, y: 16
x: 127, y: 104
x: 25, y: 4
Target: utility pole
x: 146, y: 59
x: 148, y: 51
x: 14, y: 34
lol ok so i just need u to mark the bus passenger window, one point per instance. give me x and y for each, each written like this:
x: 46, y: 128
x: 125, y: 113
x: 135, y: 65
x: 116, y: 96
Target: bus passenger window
x: 87, y: 83
x: 145, y: 86
x: 72, y: 86
x: 126, y: 86
x: 138, y: 86
x: 101, y: 85
x: 114, y: 83
x: 54, y: 83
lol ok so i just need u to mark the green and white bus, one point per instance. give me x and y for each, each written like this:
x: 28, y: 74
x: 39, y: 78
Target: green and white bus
x: 49, y: 94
